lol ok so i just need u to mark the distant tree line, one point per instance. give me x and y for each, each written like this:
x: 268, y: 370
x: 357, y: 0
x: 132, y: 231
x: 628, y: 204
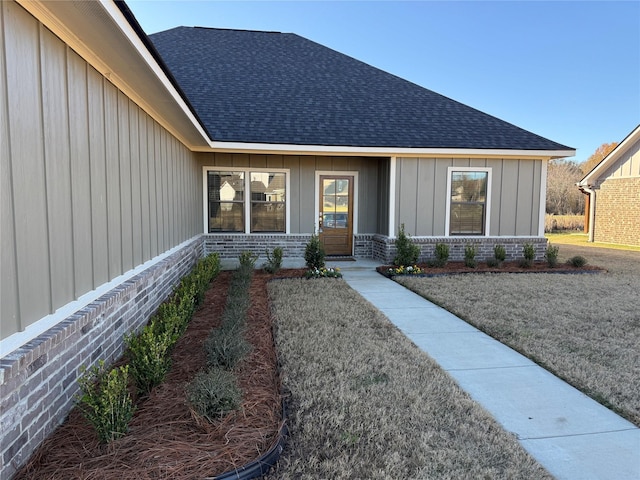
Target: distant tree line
x: 563, y: 197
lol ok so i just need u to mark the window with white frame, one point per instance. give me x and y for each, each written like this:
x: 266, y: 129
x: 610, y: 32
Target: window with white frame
x: 231, y: 209
x: 468, y: 192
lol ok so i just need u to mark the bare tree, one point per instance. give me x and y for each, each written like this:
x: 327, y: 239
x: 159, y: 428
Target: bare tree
x: 563, y: 197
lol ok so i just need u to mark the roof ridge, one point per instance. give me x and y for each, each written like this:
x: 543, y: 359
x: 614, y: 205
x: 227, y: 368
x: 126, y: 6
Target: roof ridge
x: 238, y: 30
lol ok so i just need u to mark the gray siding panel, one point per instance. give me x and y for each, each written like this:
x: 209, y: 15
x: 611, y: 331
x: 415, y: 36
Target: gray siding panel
x: 80, y: 172
x: 98, y: 178
x: 27, y: 162
x: 124, y: 157
x: 91, y: 185
x: 9, y: 308
x: 114, y: 214
x: 57, y: 168
x: 524, y: 198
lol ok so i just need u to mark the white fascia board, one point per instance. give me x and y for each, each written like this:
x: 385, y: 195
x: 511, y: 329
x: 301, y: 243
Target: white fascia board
x: 140, y: 47
x: 288, y: 149
x: 60, y: 28
x: 614, y: 155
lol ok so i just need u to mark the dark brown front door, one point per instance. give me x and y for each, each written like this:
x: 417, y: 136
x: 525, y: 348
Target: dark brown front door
x: 336, y: 214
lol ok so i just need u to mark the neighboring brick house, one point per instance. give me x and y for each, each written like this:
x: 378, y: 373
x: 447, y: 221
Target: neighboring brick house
x: 613, y: 189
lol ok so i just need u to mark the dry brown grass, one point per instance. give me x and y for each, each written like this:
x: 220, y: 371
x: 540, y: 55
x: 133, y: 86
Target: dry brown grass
x: 366, y: 403
x: 584, y: 328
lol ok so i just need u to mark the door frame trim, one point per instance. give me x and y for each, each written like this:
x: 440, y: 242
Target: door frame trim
x: 337, y: 173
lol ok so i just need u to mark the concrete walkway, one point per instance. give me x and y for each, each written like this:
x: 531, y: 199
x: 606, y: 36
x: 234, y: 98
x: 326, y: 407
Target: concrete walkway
x: 572, y: 436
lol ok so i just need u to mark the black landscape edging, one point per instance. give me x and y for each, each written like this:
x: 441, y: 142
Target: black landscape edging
x: 259, y: 467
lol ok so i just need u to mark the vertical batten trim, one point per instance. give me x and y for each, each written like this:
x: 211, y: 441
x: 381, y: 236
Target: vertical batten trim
x: 543, y: 198
x: 392, y: 197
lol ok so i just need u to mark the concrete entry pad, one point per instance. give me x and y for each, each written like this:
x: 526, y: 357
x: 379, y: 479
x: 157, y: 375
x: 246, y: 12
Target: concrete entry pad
x: 571, y: 435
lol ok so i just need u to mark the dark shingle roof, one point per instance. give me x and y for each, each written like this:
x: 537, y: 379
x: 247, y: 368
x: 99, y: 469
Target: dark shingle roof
x: 275, y: 88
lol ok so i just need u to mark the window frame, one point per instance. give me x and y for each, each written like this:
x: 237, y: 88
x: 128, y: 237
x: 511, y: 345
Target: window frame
x: 487, y: 203
x: 247, y: 200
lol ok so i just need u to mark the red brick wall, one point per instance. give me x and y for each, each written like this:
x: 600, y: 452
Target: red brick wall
x: 618, y: 212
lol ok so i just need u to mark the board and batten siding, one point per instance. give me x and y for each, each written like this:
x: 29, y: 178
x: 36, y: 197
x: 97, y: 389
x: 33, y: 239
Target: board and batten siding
x: 628, y: 166
x: 92, y: 186
x: 515, y: 197
x: 302, y: 183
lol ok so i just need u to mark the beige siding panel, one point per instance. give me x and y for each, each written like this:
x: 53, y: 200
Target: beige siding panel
x: 124, y: 158
x: 80, y: 172
x: 57, y: 167
x: 145, y: 210
x: 136, y: 184
x: 425, y: 199
x: 112, y: 150
x: 99, y: 224
x: 383, y: 192
x: 407, y: 191
x: 161, y: 187
x: 293, y: 164
x: 524, y: 197
x: 152, y: 172
x: 626, y: 166
x: 509, y: 193
x: 496, y: 196
x: 9, y: 309
x: 27, y: 163
x: 307, y: 194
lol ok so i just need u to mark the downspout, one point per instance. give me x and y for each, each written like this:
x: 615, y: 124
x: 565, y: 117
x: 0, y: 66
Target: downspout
x: 592, y: 208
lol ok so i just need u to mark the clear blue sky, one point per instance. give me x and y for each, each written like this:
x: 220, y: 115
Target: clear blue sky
x: 566, y: 70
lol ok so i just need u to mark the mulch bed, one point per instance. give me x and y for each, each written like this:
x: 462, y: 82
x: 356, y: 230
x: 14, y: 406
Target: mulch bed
x: 165, y: 439
x: 452, y: 268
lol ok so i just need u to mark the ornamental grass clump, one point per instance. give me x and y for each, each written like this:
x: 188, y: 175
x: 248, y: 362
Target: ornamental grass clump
x: 213, y: 393
x: 407, y: 253
x: 274, y: 261
x: 105, y: 401
x: 577, y: 261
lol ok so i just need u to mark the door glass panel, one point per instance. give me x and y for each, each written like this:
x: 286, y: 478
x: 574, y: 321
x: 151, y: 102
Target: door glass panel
x: 335, y: 203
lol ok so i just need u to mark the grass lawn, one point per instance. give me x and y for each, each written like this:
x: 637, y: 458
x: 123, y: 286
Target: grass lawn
x: 584, y: 328
x: 582, y: 239
x: 364, y: 402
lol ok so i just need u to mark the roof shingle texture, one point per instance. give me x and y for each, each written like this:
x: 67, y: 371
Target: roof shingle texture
x: 275, y: 88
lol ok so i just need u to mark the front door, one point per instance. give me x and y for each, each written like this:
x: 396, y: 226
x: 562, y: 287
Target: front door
x: 335, y: 220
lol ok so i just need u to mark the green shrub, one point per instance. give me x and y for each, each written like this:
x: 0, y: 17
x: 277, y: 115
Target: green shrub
x: 470, y: 256
x: 529, y: 253
x: 274, y: 261
x: 105, y: 401
x: 552, y: 255
x: 499, y: 252
x: 213, y: 393
x: 577, y: 261
x: 441, y: 255
x: 248, y: 260
x: 407, y: 252
x: 149, y: 355
x: 314, y: 253
x: 226, y: 346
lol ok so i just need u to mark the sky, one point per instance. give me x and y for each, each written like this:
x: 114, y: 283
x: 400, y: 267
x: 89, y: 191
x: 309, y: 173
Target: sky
x: 566, y: 70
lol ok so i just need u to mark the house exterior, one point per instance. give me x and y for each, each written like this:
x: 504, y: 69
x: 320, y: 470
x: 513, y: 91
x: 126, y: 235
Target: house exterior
x: 122, y: 163
x: 613, y: 190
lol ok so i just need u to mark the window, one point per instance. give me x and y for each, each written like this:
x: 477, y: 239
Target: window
x: 229, y: 208
x: 467, y: 206
x: 267, y: 202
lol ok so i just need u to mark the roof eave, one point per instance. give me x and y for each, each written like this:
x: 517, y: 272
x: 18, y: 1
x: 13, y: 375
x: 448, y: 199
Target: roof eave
x: 292, y: 149
x: 592, y: 177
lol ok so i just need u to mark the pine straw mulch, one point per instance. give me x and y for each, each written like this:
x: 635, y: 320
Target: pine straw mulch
x: 165, y: 439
